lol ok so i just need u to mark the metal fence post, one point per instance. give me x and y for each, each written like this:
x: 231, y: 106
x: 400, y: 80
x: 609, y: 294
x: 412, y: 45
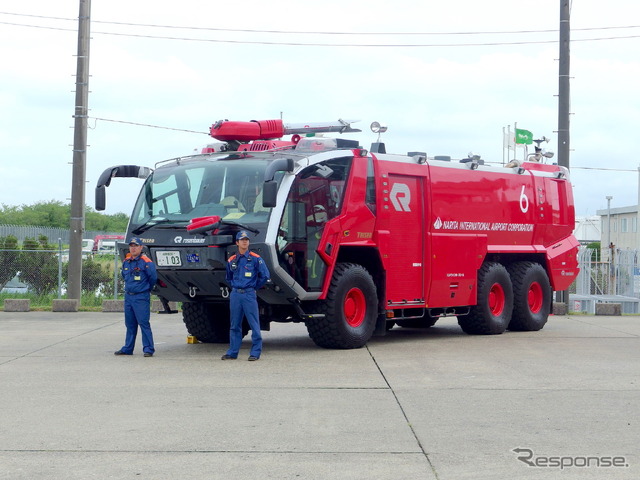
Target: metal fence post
x: 115, y: 274
x: 59, y: 268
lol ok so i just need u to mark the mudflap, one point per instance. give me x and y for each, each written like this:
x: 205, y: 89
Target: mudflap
x: 165, y: 306
x: 305, y: 316
x: 381, y: 326
x: 563, y: 263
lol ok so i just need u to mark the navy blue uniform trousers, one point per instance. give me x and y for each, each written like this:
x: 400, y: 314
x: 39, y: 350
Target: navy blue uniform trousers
x: 244, y: 304
x: 137, y: 314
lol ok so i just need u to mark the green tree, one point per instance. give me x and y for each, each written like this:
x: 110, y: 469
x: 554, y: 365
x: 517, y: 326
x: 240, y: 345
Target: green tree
x: 95, y: 278
x: 9, y: 215
x: 57, y: 215
x: 595, y: 247
x: 105, y: 223
x: 45, y: 214
x: 38, y: 265
x: 8, y: 259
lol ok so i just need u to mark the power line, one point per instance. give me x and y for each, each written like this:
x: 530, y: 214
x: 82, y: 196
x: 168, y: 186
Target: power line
x: 207, y: 133
x: 300, y: 32
x: 319, y: 44
x: 377, y: 45
x: 585, y: 168
x: 314, y: 44
x: 605, y: 169
x: 145, y: 125
x: 39, y: 26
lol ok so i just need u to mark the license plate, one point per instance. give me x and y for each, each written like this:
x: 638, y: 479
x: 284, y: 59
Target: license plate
x: 169, y: 258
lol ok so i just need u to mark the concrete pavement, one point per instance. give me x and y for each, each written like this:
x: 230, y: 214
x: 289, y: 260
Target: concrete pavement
x: 428, y: 404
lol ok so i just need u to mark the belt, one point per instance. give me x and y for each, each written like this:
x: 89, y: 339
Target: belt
x: 136, y: 293
x: 243, y: 290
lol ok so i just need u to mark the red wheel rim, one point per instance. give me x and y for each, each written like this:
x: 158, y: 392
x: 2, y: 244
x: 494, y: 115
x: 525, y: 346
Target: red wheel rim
x: 535, y: 297
x: 497, y: 299
x: 355, y: 307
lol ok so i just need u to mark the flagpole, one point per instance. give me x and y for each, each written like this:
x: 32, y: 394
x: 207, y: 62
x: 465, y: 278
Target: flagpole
x: 515, y: 141
x: 503, y: 145
x: 512, y: 142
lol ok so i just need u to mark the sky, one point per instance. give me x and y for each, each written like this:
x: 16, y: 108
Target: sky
x: 445, y: 77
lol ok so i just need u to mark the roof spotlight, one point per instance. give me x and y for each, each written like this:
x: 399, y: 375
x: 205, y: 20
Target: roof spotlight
x: 376, y: 127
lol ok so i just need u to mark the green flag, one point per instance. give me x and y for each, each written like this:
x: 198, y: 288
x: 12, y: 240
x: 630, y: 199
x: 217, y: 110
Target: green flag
x: 524, y: 137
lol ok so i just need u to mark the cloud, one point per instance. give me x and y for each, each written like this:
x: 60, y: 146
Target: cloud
x: 442, y: 100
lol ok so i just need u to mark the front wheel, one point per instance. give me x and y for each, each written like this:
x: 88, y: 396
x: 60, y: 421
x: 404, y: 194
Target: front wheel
x: 350, y: 309
x: 493, y: 311
x: 209, y: 323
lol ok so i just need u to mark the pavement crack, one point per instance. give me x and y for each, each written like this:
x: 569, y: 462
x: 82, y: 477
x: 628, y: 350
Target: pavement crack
x: 404, y: 414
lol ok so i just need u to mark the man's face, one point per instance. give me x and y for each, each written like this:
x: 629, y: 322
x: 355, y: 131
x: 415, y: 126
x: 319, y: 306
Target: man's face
x: 243, y: 243
x: 135, y: 249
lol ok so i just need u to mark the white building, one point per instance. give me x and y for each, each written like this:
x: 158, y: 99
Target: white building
x: 588, y: 229
x: 619, y: 226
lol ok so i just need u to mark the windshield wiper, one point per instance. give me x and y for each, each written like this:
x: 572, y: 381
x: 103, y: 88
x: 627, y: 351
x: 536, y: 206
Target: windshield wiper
x: 246, y: 227
x: 214, y: 223
x: 151, y: 223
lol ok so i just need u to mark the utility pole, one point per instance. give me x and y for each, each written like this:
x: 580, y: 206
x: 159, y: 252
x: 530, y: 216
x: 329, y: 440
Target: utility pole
x: 609, y: 247
x: 564, y: 103
x: 637, y: 230
x: 74, y: 287
x: 564, y: 98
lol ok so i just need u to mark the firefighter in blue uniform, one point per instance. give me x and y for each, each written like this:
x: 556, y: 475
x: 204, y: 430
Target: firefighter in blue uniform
x: 246, y: 273
x: 139, y: 274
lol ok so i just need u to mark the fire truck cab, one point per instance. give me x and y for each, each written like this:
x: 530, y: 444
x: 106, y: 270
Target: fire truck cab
x: 355, y: 241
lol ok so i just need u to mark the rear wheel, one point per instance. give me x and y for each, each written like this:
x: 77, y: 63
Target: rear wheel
x: 208, y: 322
x: 350, y: 309
x: 532, y: 296
x: 492, y: 314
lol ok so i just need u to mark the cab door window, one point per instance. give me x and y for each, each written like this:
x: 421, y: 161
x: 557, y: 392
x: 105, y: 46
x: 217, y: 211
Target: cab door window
x: 315, y: 198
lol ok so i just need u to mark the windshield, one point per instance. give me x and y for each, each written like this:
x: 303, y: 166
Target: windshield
x: 179, y: 192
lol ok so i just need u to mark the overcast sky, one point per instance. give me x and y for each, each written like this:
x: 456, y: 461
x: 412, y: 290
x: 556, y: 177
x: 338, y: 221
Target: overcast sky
x: 429, y: 70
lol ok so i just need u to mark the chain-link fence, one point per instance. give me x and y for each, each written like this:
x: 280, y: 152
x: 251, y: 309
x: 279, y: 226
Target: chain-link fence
x: 42, y: 275
x: 33, y: 267
x: 621, y: 276
x: 23, y: 232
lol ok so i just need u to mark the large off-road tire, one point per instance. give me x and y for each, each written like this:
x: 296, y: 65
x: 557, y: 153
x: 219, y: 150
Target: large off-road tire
x: 425, y: 322
x: 350, y: 309
x: 531, y: 296
x: 492, y: 314
x: 209, y: 323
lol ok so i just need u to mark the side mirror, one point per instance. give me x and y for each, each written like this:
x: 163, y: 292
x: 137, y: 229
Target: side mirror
x: 270, y: 186
x: 101, y: 198
x: 126, y: 171
x: 280, y: 165
x: 269, y: 194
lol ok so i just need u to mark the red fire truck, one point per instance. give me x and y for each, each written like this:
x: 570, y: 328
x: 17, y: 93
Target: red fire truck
x: 106, y: 243
x: 356, y: 241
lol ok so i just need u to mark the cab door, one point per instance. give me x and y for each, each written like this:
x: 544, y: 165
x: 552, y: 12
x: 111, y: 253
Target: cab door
x: 404, y: 206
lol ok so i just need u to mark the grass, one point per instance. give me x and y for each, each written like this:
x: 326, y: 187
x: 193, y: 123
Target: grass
x: 88, y: 303
x: 44, y: 303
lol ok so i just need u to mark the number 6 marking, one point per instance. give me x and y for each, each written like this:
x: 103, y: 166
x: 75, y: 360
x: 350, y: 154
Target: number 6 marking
x: 524, y: 201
